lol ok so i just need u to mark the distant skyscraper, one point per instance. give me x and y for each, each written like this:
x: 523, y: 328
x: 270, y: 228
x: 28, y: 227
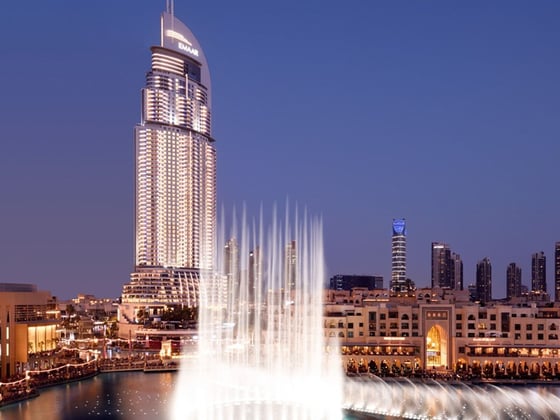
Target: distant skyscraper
x: 175, y: 164
x: 290, y: 265
x: 458, y: 271
x: 441, y: 265
x: 484, y: 280
x: 447, y: 267
x: 513, y: 281
x: 398, y: 256
x: 557, y: 272
x: 538, y: 272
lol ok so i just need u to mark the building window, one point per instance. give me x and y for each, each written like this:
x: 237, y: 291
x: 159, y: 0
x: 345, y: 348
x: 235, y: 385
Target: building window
x: 492, y: 327
x: 458, y: 334
x: 415, y: 333
x: 459, y: 317
x: 371, y: 334
x: 361, y: 333
x: 470, y: 334
x: 361, y: 324
x: 350, y: 334
x: 517, y: 327
x: 393, y: 325
x: 540, y: 327
x: 529, y: 327
x: 459, y: 326
x: 404, y: 325
x: 470, y: 326
x: 382, y: 316
x: 492, y: 317
x: 382, y: 325
x: 350, y: 325
x: 461, y: 350
x: 482, y: 315
x: 340, y: 325
x: 529, y: 336
x: 414, y: 326
x: 517, y: 336
x: 415, y: 317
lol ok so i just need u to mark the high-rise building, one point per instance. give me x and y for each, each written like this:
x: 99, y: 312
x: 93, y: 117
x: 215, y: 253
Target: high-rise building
x: 557, y: 272
x: 398, y: 257
x: 447, y: 267
x: 175, y: 164
x: 513, y: 281
x: 484, y: 280
x: 538, y: 272
x: 290, y: 266
x: 442, y: 272
x: 458, y: 271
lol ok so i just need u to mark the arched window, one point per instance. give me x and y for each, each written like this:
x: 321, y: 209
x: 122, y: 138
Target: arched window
x: 404, y: 316
x: 471, y: 317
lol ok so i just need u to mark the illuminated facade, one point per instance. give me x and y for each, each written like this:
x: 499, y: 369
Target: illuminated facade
x: 175, y: 164
x: 398, y: 257
x: 28, y: 321
x: 439, y: 329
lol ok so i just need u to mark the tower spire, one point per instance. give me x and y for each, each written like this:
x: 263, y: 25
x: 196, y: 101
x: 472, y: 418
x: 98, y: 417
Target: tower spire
x: 170, y: 7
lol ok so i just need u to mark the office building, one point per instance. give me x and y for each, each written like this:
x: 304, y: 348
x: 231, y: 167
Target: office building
x: 175, y: 164
x: 350, y: 281
x: 513, y: 281
x: 484, y: 281
x: 538, y: 273
x: 398, y: 257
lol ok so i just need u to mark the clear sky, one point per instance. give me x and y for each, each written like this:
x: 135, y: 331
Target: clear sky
x: 445, y: 113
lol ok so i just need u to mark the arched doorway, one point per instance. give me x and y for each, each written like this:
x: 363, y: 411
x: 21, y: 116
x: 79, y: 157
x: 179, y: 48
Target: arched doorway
x: 436, y: 348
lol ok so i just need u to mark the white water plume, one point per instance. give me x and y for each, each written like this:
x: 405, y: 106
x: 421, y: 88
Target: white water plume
x: 261, y: 349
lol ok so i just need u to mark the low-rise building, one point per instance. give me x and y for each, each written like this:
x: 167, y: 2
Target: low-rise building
x: 28, y: 321
x: 440, y: 329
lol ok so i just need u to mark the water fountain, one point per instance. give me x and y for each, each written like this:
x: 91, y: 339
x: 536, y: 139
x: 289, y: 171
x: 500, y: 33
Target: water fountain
x: 261, y: 349
x: 262, y: 353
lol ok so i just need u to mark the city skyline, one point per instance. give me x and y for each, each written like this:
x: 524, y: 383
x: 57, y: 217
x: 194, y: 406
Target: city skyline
x: 442, y: 115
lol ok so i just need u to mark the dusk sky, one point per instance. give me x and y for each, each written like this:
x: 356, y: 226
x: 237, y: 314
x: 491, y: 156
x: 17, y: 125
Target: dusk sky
x: 444, y: 113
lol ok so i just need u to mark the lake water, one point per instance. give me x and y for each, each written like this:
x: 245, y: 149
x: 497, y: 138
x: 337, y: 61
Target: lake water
x: 122, y: 395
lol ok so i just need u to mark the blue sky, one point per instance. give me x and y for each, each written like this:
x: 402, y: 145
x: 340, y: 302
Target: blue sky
x: 444, y: 113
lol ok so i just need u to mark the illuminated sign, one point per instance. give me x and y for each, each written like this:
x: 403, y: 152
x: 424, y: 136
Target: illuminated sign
x: 182, y: 42
x: 398, y: 226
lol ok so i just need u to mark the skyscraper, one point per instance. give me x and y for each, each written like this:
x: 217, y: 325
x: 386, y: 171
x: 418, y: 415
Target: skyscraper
x: 538, y: 272
x: 484, y: 280
x: 557, y: 272
x: 175, y: 168
x: 442, y: 268
x: 458, y: 271
x: 398, y: 256
x: 513, y: 281
x: 447, y: 267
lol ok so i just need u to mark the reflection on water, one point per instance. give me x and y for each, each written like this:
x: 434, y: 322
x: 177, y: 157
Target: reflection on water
x: 136, y: 395
x: 123, y: 395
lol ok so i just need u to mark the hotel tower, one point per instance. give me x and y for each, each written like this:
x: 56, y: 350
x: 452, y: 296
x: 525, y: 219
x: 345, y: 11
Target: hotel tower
x: 175, y: 174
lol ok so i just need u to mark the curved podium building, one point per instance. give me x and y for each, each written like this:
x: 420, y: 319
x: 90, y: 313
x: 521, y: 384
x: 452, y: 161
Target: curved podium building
x: 175, y: 164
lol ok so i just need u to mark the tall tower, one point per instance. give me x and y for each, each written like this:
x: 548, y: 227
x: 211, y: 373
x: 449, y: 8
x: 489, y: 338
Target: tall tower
x: 513, y: 280
x: 175, y: 173
x: 484, y: 280
x: 458, y: 271
x: 398, y: 256
x: 538, y: 272
x: 557, y: 272
x: 443, y: 267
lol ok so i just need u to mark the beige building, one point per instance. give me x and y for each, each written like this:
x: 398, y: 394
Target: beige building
x: 439, y: 329
x: 28, y: 321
